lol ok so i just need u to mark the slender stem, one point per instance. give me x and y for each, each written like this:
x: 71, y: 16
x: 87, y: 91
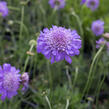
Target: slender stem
x: 67, y: 104
x: 49, y: 74
x: 91, y: 68
x: 99, y: 87
x: 13, y: 8
x: 79, y: 22
x: 75, y: 78
x: 27, y: 59
x: 69, y: 78
x: 22, y: 18
x: 49, y: 104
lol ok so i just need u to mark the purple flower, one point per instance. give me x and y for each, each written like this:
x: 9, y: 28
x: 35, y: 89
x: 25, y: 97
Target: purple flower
x: 57, y: 3
x: 82, y: 2
x: 3, y: 8
x: 100, y: 42
x: 9, y: 81
x: 92, y: 4
x: 58, y: 43
x: 98, y: 27
x: 25, y: 80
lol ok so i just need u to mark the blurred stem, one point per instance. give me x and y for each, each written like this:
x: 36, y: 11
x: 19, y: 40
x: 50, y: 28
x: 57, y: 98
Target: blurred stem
x: 69, y: 78
x: 27, y: 59
x: 67, y: 104
x: 49, y: 104
x: 24, y: 26
x: 13, y: 8
x: 91, y: 69
x: 22, y: 18
x: 49, y: 74
x: 75, y: 78
x: 99, y: 87
x: 79, y: 22
x: 80, y: 28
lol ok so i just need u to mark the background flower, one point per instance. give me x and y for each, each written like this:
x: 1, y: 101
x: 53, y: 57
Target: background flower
x: 92, y: 4
x: 3, y: 8
x: 100, y: 42
x: 57, y: 3
x: 83, y: 1
x: 98, y: 27
x: 9, y: 81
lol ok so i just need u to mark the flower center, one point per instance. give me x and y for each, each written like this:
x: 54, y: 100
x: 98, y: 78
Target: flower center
x: 57, y: 2
x: 92, y: 3
x: 59, y: 41
x: 9, y: 82
x: 97, y: 28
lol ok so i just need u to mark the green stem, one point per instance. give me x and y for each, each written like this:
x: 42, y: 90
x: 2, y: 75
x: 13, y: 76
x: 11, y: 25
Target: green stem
x: 75, y: 78
x: 22, y: 18
x: 49, y: 104
x: 13, y: 8
x: 69, y: 78
x: 79, y: 22
x: 49, y: 74
x: 67, y: 104
x: 27, y: 59
x: 91, y: 68
x: 99, y: 87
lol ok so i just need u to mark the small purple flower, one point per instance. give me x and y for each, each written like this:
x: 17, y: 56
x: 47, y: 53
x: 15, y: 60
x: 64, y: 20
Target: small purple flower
x: 25, y: 80
x: 98, y: 27
x: 57, y: 3
x: 58, y: 43
x: 83, y: 2
x: 100, y: 42
x: 92, y: 4
x: 9, y: 81
x: 3, y: 8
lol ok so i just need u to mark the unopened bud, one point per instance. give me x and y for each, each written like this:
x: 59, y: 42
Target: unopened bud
x: 106, y: 35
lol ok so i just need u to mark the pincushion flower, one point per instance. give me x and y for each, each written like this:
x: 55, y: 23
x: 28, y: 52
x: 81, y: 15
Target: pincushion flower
x: 3, y: 8
x: 98, y: 27
x: 83, y: 2
x: 25, y: 80
x: 58, y: 43
x: 57, y: 3
x: 100, y: 42
x: 92, y: 4
x: 9, y: 81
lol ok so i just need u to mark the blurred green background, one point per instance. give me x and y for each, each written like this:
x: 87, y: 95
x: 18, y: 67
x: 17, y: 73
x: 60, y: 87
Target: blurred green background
x: 60, y: 84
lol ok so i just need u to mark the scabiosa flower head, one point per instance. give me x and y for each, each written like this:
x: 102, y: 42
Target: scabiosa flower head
x: 9, y: 81
x: 25, y: 80
x: 58, y: 43
x: 106, y: 35
x: 57, y: 3
x: 92, y: 4
x: 100, y: 42
x: 98, y: 27
x: 3, y: 8
x: 83, y: 2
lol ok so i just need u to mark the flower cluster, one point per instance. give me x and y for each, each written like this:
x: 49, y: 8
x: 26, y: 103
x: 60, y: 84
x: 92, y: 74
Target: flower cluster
x: 58, y: 43
x: 98, y: 27
x: 92, y: 4
x: 3, y: 8
x: 58, y: 4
